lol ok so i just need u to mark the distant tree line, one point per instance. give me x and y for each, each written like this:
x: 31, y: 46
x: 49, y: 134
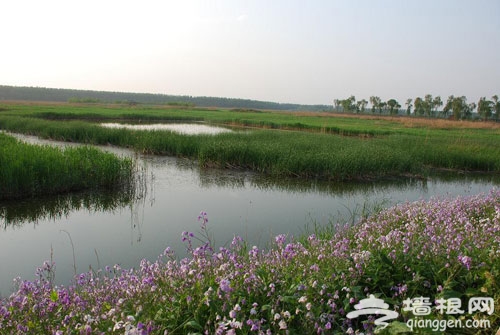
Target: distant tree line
x: 83, y: 100
x: 456, y: 108
x: 85, y: 96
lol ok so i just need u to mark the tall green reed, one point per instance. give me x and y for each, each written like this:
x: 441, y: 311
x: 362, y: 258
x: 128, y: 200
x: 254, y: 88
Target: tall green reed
x: 29, y: 170
x: 289, y: 153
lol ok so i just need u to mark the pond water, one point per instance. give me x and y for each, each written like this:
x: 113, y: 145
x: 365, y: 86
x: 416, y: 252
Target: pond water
x: 87, y: 230
x: 181, y: 128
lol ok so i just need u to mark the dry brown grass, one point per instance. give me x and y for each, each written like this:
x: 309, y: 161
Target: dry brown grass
x: 445, y: 124
x: 411, y: 122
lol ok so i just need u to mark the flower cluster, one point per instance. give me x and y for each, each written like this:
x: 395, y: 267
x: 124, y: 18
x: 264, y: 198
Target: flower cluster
x: 300, y: 285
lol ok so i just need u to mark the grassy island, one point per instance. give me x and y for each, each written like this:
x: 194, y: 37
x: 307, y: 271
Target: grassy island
x: 306, y: 145
x: 32, y: 170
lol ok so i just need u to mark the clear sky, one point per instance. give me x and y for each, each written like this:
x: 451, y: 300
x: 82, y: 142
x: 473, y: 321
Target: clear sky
x: 277, y: 50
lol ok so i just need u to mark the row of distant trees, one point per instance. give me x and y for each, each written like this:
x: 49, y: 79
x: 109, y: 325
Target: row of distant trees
x: 86, y: 96
x: 429, y: 106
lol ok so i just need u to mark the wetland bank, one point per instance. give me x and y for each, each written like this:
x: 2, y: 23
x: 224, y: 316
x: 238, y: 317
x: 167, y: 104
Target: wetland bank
x: 280, y: 144
x: 261, y: 187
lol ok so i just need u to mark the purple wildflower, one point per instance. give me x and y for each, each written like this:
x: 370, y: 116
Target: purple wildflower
x: 225, y: 285
x: 465, y: 260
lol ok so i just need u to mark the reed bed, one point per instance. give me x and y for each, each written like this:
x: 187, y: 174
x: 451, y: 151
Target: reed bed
x: 32, y: 170
x: 288, y: 153
x: 306, y: 146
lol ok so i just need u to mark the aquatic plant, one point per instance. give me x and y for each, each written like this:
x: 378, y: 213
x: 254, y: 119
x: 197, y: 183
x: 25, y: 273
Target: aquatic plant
x: 306, y: 145
x: 28, y: 170
x: 440, y: 248
x: 299, y: 153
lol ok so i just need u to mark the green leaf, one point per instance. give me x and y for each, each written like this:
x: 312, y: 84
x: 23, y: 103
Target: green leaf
x: 265, y: 308
x: 54, y: 296
x: 106, y: 306
x: 386, y: 259
x: 395, y: 327
x: 159, y: 315
x: 288, y: 299
x: 193, y: 324
x: 472, y: 292
x: 448, y: 293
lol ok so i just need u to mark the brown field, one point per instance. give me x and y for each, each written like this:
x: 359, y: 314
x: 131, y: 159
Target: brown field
x: 410, y: 121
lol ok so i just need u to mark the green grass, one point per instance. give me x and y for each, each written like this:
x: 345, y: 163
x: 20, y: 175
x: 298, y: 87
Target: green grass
x: 31, y: 170
x: 251, y: 118
x: 308, y: 146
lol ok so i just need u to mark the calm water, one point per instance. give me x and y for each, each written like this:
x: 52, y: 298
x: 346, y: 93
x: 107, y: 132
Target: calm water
x: 181, y: 128
x: 110, y: 229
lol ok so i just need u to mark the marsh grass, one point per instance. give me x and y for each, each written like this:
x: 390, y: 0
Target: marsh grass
x: 303, y: 145
x: 31, y: 170
x: 287, y: 153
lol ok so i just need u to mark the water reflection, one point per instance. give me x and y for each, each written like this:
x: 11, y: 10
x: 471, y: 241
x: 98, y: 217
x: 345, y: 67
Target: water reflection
x: 238, y: 179
x: 181, y: 128
x: 17, y: 213
x: 151, y: 168
x: 121, y: 228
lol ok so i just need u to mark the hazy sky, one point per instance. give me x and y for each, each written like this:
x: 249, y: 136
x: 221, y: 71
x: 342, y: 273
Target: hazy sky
x: 277, y: 50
